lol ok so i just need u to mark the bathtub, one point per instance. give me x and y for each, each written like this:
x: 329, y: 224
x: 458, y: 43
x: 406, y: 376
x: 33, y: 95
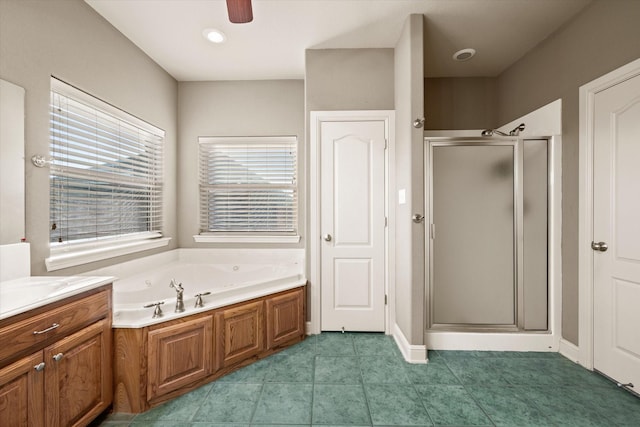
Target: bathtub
x: 230, y: 276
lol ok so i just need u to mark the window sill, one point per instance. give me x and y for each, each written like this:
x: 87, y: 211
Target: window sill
x: 71, y: 259
x: 209, y: 238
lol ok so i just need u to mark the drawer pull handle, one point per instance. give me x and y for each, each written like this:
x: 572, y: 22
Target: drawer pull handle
x: 50, y: 328
x: 57, y: 357
x: 39, y: 367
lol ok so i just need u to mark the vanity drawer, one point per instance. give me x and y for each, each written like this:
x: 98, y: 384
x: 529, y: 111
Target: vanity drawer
x: 40, y: 328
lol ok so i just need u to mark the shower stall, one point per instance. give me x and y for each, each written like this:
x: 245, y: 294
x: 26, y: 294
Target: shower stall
x: 487, y: 234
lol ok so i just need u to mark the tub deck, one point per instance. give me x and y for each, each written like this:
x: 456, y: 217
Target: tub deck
x: 134, y: 315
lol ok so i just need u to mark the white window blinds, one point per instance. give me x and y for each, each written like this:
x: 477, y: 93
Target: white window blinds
x: 248, y: 184
x: 106, y: 171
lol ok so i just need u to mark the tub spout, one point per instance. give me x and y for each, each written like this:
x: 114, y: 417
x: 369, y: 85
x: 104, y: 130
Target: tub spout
x: 179, y: 295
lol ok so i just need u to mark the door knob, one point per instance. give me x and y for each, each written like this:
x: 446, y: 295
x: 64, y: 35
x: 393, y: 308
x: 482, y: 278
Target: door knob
x: 327, y: 237
x: 599, y: 246
x: 417, y: 218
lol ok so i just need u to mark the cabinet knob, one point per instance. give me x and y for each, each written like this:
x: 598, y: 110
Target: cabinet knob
x: 57, y: 357
x: 39, y: 367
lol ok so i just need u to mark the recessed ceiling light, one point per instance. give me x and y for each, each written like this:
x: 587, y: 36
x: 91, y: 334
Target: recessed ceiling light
x: 464, y: 54
x: 214, y: 36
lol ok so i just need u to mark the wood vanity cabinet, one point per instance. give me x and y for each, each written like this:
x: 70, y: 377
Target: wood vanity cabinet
x: 57, y: 376
x: 22, y: 393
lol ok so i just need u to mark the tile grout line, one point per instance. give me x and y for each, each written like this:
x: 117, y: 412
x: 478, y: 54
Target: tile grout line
x: 464, y: 387
x: 202, y: 401
x: 415, y: 390
x: 255, y: 407
x: 313, y: 387
x: 364, y: 390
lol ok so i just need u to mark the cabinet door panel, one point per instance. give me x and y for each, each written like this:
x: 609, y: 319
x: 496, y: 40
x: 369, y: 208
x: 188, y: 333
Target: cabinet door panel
x: 78, y: 376
x: 239, y: 333
x: 22, y: 393
x: 179, y: 355
x: 285, y: 318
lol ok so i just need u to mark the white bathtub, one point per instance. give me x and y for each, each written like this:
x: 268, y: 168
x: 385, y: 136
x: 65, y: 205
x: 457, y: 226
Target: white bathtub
x: 231, y: 276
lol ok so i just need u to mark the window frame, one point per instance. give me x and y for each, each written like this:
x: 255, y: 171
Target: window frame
x: 78, y: 252
x: 252, y: 236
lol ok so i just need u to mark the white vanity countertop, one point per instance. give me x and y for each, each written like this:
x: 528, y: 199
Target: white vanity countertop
x: 24, y: 294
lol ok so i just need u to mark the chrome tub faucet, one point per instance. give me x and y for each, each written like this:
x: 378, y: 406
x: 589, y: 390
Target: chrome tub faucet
x: 179, y: 295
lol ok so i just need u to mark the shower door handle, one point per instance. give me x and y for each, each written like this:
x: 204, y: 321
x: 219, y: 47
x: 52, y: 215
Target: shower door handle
x: 599, y: 246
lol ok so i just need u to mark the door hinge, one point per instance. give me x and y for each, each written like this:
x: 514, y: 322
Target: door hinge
x: 386, y: 221
x: 385, y: 299
x: 432, y: 229
x: 386, y: 143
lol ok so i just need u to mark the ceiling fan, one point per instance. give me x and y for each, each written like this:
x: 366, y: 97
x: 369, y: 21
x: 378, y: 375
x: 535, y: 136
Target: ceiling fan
x: 239, y: 11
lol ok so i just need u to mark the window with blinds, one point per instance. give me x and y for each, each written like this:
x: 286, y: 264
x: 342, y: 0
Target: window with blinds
x: 105, y: 173
x: 248, y: 185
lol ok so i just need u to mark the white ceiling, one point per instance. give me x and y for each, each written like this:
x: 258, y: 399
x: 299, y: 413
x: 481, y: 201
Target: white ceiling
x: 273, y: 45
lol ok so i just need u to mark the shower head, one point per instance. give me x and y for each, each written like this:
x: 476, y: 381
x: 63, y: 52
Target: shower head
x: 517, y: 130
x: 514, y: 132
x: 491, y: 132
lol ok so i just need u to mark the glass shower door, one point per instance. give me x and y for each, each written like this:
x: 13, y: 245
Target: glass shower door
x: 473, y: 235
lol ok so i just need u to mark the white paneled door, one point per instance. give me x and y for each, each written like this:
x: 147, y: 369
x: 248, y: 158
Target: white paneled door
x: 352, y: 223
x: 616, y: 232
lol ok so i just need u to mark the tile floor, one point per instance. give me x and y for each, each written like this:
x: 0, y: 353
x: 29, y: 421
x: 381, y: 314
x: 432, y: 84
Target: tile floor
x: 337, y: 379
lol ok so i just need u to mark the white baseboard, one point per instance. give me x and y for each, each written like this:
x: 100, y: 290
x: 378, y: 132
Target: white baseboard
x: 308, y: 328
x: 411, y: 353
x: 569, y: 350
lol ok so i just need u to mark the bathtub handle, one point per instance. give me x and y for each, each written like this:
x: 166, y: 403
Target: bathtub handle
x: 158, y: 311
x: 199, y: 302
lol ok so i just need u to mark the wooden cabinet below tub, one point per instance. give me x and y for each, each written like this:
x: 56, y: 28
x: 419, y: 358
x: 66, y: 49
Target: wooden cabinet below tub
x: 239, y: 333
x: 159, y: 362
x: 285, y: 317
x: 58, y: 376
x: 179, y: 354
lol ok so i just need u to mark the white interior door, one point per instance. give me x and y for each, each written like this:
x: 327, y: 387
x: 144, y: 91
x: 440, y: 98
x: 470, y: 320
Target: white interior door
x: 616, y: 224
x: 352, y: 223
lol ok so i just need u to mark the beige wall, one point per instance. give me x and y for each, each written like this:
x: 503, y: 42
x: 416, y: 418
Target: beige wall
x: 605, y: 36
x: 234, y: 108
x: 69, y: 40
x: 349, y: 79
x: 409, y: 169
x: 454, y: 103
